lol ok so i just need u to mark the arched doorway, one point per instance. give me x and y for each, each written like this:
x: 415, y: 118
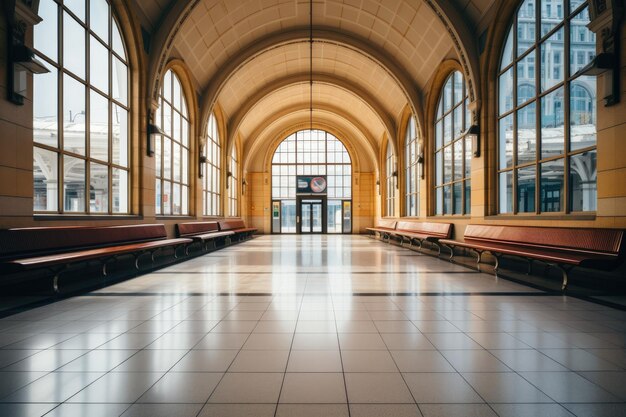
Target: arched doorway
x: 311, y: 184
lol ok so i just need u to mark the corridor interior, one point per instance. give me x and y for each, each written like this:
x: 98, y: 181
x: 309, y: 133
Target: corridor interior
x: 317, y: 325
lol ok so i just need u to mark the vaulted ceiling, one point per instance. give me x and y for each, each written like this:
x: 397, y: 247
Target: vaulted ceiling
x: 371, y: 59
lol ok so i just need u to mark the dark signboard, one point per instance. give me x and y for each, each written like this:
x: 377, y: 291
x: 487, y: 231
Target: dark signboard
x: 311, y: 184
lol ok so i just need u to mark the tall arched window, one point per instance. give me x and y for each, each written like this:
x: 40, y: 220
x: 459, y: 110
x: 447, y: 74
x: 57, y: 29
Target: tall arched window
x: 233, y: 189
x: 172, y: 149
x: 311, y: 153
x: 411, y: 167
x: 80, y: 111
x: 453, y: 150
x: 211, y: 180
x: 547, y: 125
x: 391, y: 176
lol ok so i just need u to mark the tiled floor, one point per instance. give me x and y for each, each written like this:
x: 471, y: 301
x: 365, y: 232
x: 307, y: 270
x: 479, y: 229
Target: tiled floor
x: 314, y: 326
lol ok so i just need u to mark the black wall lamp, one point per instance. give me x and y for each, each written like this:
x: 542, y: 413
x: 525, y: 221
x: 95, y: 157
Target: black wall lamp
x: 153, y: 131
x: 474, y: 134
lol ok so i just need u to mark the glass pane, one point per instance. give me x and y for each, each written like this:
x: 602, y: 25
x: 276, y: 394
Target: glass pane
x: 458, y: 88
x: 46, y: 32
x: 73, y: 115
x: 158, y: 198
x: 439, y: 167
x: 468, y: 197
x: 583, y: 113
x: 73, y: 46
x: 458, y: 160
x: 157, y: 155
x: 447, y: 95
x: 447, y: 164
x: 552, y: 183
x: 505, y: 147
x: 120, y: 137
x: 99, y: 65
x: 176, y: 199
x: 98, y: 127
x: 347, y: 216
x: 505, y: 88
x: 458, y: 198
x: 99, y: 18
x: 120, y: 191
x: 552, y: 124
x: 439, y: 201
x: 526, y: 78
x: 99, y: 188
x: 167, y: 197
x: 458, y: 122
x: 552, y: 60
x: 77, y: 7
x: 185, y: 201
x: 288, y: 216
x: 526, y: 21
x: 73, y: 184
x: 45, y: 180
x: 120, y: 81
x: 185, y: 159
x: 167, y: 158
x: 507, y: 54
x: 526, y: 134
x: 505, y: 192
x: 447, y: 128
x: 45, y: 107
x: 468, y: 157
x: 582, y: 42
x: 118, y: 44
x: 551, y: 15
x: 526, y: 180
x: 438, y: 135
x: 176, y: 161
x: 447, y: 199
x: 584, y: 190
x: 575, y: 4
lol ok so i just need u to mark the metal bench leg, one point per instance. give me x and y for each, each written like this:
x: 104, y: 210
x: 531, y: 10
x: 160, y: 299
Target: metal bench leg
x: 55, y: 278
x: 530, y: 267
x: 497, y: 265
x: 564, y: 273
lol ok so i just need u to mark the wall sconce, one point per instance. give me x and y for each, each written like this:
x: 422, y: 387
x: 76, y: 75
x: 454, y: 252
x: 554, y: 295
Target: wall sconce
x: 244, y: 183
x: 153, y: 130
x: 24, y: 62
x: 394, y: 174
x: 474, y: 134
x: 604, y: 64
x: 228, y: 175
x: 201, y: 161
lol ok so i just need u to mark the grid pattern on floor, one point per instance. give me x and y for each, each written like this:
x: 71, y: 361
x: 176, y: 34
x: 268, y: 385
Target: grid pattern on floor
x: 178, y: 343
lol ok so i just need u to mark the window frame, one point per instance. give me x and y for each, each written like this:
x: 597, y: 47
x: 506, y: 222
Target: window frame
x: 211, y: 183
x: 569, y: 78
x: 411, y: 168
x: 233, y: 184
x: 58, y: 66
x: 391, y: 181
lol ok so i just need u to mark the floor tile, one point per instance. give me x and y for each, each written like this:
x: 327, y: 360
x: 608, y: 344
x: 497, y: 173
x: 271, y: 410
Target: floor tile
x: 452, y: 341
x: 457, y: 410
x: 182, y: 387
x: 222, y: 341
x: 312, y: 410
x: 260, y: 361
x: 441, y: 388
x: 163, y: 410
x: 12, y: 381
x: 55, y: 387
x: 205, y: 361
x: 313, y: 388
x: 474, y: 361
x: 269, y: 341
x: 613, y: 382
x: 386, y: 388
x: 90, y: 410
x: 315, y: 341
x: 250, y: 388
x: 46, y: 360
x: 597, y: 410
x: 407, y: 341
x: 117, y: 387
x: 527, y: 360
x: 151, y: 361
x: 367, y: 361
x: 421, y: 361
x: 568, y: 387
x: 314, y: 361
x: 505, y: 387
x: 580, y: 360
x: 238, y: 410
x: 25, y: 410
x: 531, y: 410
x: 384, y: 410
x: 361, y: 341
x: 176, y: 341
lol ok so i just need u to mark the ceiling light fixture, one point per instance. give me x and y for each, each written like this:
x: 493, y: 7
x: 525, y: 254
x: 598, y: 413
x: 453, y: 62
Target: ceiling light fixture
x: 311, y: 66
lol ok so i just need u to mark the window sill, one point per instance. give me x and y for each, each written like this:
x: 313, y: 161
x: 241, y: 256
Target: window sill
x: 174, y: 217
x: 546, y: 216
x: 450, y: 216
x: 90, y: 217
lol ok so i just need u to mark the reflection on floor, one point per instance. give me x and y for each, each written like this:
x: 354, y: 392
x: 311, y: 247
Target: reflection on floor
x: 314, y: 326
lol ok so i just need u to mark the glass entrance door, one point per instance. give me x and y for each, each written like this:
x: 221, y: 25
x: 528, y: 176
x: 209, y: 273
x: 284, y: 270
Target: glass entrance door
x: 311, y: 216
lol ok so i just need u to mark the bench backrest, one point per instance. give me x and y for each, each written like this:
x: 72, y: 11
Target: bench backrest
x: 232, y: 224
x: 195, y: 228
x: 387, y: 224
x: 33, y: 240
x: 584, y: 240
x: 443, y: 230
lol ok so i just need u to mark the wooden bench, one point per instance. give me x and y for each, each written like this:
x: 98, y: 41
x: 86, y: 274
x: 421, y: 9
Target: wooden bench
x: 205, y: 233
x: 238, y: 227
x: 422, y: 232
x: 56, y: 249
x: 563, y: 248
x: 383, y: 228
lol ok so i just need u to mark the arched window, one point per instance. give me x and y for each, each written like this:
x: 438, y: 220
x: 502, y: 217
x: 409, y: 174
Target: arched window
x: 308, y: 154
x: 211, y: 180
x: 411, y: 166
x: 453, y: 150
x: 80, y: 111
x: 233, y: 189
x: 547, y: 125
x: 172, y: 149
x: 391, y: 176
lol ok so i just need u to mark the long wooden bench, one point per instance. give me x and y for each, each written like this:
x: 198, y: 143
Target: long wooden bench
x: 383, y: 227
x: 421, y: 232
x: 238, y: 227
x: 56, y: 249
x: 204, y: 233
x: 563, y: 248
